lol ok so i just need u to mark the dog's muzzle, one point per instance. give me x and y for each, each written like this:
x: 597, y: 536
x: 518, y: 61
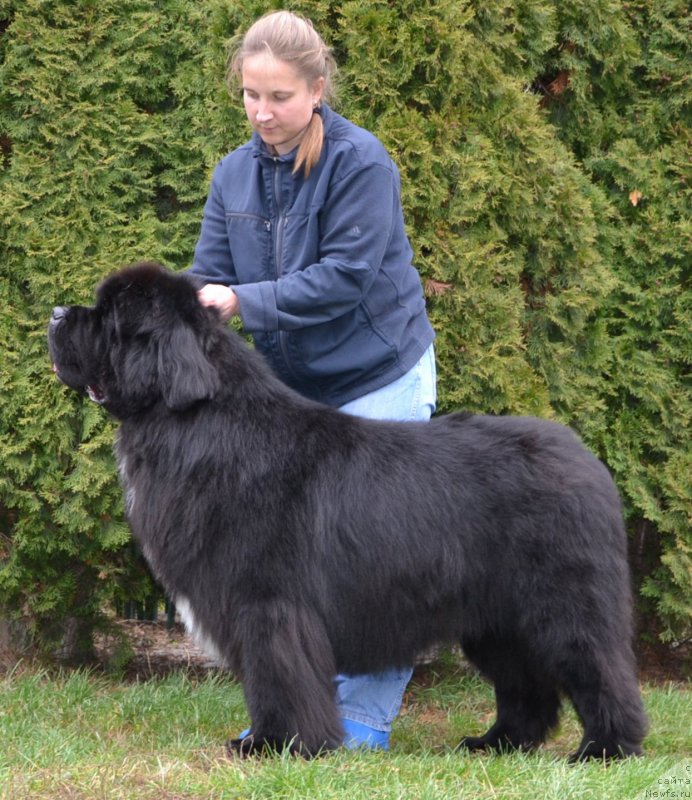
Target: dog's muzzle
x: 94, y: 391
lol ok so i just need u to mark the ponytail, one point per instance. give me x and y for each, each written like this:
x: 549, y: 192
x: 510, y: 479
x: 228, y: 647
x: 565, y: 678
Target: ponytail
x: 310, y: 148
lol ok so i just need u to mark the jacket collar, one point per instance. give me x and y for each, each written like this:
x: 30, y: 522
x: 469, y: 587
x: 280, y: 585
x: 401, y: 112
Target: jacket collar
x: 260, y: 150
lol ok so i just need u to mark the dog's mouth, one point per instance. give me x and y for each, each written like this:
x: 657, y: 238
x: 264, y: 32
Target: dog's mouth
x: 96, y: 394
x: 93, y: 390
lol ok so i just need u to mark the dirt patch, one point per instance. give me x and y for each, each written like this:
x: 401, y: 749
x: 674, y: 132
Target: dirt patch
x: 141, y: 650
x: 659, y: 663
x: 155, y: 650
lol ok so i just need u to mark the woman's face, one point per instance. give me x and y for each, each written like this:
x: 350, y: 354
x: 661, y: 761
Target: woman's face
x: 278, y: 102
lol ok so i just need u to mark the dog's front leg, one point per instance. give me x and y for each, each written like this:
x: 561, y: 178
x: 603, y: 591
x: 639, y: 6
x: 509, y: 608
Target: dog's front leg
x: 288, y: 670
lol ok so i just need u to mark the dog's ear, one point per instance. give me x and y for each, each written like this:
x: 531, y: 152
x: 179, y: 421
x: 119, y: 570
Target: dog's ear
x: 185, y: 373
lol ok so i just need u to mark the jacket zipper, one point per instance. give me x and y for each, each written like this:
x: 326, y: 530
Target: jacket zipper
x: 280, y: 218
x: 278, y: 249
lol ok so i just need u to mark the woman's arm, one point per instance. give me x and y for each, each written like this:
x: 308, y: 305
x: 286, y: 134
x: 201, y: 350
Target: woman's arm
x: 213, y: 261
x: 356, y: 228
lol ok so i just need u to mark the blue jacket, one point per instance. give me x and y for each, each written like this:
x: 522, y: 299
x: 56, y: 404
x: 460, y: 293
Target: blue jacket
x: 321, y: 266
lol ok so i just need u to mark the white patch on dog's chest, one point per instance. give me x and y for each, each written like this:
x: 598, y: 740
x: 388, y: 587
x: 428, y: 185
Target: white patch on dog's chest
x: 126, y: 483
x: 130, y: 497
x: 200, y: 637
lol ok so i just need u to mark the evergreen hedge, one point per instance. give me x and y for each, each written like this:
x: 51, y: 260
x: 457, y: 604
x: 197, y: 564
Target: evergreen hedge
x: 543, y: 149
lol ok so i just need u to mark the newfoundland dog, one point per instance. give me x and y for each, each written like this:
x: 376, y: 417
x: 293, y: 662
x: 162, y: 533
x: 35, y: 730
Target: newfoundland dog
x: 300, y: 542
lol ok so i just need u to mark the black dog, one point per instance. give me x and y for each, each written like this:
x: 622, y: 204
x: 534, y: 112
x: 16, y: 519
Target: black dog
x: 300, y: 542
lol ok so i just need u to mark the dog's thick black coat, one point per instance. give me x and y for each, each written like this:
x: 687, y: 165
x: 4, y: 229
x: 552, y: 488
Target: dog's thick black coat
x: 300, y: 542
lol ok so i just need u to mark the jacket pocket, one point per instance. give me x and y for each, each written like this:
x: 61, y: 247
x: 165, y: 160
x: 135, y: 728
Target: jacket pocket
x: 348, y: 346
x: 250, y: 242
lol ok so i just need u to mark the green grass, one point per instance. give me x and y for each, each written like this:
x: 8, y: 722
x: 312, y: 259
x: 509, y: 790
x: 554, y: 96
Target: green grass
x: 87, y: 736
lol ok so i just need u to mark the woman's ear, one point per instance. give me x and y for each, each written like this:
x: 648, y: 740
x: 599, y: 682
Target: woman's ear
x: 317, y: 89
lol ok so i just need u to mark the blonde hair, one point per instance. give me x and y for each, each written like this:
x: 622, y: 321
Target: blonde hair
x: 293, y: 39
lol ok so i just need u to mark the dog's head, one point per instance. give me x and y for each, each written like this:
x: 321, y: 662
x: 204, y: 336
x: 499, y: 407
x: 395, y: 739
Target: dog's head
x: 146, y: 340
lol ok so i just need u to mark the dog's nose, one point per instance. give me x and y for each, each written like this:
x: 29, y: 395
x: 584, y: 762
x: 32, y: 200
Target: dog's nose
x: 56, y: 318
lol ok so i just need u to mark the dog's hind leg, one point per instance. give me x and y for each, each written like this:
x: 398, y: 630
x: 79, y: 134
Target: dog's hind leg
x: 287, y: 673
x: 527, y: 703
x: 605, y: 693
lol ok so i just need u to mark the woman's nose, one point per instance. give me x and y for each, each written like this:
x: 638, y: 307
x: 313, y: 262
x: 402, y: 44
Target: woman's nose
x: 264, y: 112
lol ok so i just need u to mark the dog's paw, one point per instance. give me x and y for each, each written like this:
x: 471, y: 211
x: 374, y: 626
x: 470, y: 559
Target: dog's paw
x: 494, y: 743
x: 605, y: 753
x: 251, y: 746
x: 473, y: 743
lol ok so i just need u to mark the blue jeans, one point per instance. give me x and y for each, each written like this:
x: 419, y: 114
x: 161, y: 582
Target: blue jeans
x: 375, y: 700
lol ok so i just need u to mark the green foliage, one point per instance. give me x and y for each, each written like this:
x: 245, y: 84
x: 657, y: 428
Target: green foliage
x: 626, y: 113
x: 543, y: 148
x: 104, y: 115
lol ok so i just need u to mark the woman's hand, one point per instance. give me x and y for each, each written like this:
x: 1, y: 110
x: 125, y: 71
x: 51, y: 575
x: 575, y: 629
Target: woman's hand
x: 222, y: 298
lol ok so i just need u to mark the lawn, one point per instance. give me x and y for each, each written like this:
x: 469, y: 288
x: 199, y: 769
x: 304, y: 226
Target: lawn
x: 93, y: 737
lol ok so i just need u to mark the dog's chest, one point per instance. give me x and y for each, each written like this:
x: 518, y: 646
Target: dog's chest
x: 130, y: 493
x: 138, y: 502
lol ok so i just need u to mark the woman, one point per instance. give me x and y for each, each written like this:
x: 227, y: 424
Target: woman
x: 303, y: 237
